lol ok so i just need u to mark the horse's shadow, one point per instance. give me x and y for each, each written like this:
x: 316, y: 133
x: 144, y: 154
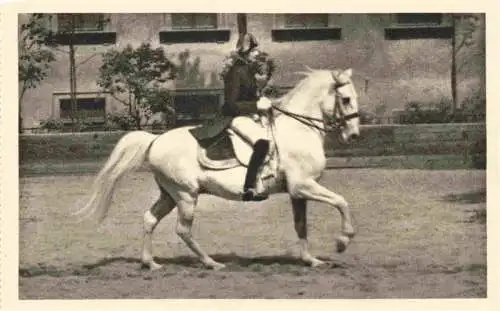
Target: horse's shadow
x: 233, y: 262
x: 472, y: 197
x: 228, y: 259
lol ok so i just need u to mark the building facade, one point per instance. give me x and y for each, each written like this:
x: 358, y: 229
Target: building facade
x: 396, y: 58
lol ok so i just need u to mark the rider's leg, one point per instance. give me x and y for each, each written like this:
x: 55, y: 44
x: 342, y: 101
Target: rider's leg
x: 256, y: 135
x: 247, y: 128
x: 260, y: 150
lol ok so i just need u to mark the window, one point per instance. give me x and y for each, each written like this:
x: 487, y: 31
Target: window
x: 304, y: 27
x: 410, y: 26
x: 194, y: 21
x: 80, y: 22
x: 196, y: 107
x: 87, y: 108
x: 419, y: 18
x: 195, y: 28
x: 83, y: 29
x: 306, y: 20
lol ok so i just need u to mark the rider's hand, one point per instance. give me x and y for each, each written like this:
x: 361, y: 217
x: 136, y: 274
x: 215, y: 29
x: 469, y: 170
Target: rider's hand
x: 264, y: 103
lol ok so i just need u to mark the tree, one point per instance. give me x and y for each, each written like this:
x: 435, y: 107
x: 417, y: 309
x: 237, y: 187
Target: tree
x: 136, y: 78
x: 34, y: 55
x: 465, y: 27
x: 68, y: 26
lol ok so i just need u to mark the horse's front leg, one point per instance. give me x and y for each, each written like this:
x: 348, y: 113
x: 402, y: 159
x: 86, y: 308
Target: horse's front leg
x: 311, y: 190
x: 299, y: 207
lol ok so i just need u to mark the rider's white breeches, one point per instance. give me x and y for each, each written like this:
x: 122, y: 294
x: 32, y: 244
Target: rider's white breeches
x: 249, y: 129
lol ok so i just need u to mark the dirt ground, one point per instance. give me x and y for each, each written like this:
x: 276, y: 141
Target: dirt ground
x: 419, y: 236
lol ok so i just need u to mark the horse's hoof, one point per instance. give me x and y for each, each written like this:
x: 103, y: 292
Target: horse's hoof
x: 350, y: 233
x: 216, y: 266
x: 342, y: 243
x: 152, y: 266
x: 317, y: 263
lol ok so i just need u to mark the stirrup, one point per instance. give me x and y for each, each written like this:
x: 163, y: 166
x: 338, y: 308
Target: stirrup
x: 252, y: 195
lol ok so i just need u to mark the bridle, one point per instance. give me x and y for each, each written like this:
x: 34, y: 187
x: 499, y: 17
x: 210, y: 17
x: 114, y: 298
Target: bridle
x: 336, y: 122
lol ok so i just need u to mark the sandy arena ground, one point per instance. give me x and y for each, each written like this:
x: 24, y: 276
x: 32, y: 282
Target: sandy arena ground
x: 418, y: 237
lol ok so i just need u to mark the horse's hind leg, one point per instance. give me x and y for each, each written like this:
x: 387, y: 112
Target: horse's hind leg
x: 300, y: 220
x: 185, y: 207
x: 164, y: 205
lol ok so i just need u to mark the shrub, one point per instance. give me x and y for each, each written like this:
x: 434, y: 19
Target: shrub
x: 123, y: 122
x: 419, y: 112
x: 478, y: 154
x: 366, y: 117
x: 52, y: 124
x: 474, y: 109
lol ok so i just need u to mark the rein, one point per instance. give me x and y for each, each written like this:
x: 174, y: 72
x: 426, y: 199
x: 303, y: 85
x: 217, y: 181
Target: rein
x: 303, y: 119
x: 336, y: 123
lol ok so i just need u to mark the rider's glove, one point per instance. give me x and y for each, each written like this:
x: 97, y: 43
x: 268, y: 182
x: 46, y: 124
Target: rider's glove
x: 264, y: 104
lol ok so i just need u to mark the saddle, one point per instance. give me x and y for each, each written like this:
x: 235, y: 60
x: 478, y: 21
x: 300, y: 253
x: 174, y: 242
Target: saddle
x: 221, y: 148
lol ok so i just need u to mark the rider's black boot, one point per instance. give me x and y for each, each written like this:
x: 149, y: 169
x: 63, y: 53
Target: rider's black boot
x: 250, y: 193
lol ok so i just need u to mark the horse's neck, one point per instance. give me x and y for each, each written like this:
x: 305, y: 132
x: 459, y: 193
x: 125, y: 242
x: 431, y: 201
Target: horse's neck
x: 305, y: 101
x: 303, y: 130
x: 298, y: 145
x: 305, y: 105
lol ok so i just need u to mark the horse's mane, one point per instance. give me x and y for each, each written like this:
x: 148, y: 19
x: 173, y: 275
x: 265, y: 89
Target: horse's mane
x: 310, y: 76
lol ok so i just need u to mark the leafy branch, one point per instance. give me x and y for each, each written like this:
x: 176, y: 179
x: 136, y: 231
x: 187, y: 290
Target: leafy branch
x: 35, y: 55
x: 136, y: 78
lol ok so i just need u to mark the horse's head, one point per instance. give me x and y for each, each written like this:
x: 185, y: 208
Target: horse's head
x: 341, y: 104
x: 324, y: 96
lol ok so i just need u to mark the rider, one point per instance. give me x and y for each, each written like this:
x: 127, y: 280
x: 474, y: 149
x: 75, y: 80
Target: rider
x: 255, y: 98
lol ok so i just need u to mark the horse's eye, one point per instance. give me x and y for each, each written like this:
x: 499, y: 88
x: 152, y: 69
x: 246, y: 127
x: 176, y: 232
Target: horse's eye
x: 346, y: 100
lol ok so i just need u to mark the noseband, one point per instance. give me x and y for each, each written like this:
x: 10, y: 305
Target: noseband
x: 336, y: 122
x: 342, y: 118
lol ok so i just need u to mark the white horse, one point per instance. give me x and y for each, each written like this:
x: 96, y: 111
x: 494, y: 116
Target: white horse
x: 299, y: 121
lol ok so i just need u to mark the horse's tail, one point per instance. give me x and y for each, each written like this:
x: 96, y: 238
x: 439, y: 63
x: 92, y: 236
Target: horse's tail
x: 129, y: 154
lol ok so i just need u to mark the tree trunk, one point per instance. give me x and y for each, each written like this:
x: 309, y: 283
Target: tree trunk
x: 130, y: 104
x: 454, y: 66
x: 72, y: 77
x: 72, y: 86
x: 20, y: 104
x: 242, y: 23
x: 137, y: 113
x: 20, y: 126
x: 482, y: 47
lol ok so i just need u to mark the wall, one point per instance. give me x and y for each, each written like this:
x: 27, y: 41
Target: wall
x: 377, y: 140
x: 420, y: 139
x: 397, y: 71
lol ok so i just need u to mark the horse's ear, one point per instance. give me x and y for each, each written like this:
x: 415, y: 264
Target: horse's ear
x: 341, y: 77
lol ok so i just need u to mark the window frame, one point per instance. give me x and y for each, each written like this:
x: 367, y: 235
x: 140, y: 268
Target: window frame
x: 288, y: 25
x: 60, y: 96
x: 419, y: 30
x: 102, y: 16
x: 282, y: 32
x: 104, y: 36
x: 169, y: 34
x: 196, y: 116
x: 418, y: 23
x: 193, y: 25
